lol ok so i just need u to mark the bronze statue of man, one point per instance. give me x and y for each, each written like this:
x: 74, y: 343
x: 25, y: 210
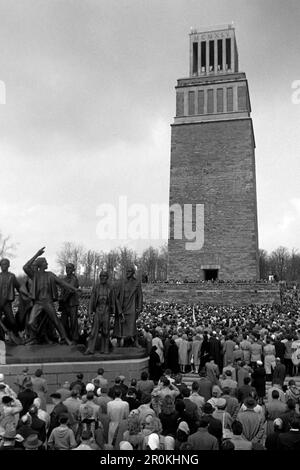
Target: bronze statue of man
x: 44, y: 293
x: 103, y: 305
x: 130, y: 297
x: 68, y: 304
x: 8, y: 285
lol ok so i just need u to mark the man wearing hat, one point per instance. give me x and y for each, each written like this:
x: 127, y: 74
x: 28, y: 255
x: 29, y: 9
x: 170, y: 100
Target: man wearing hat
x: 58, y: 410
x: 26, y: 397
x: 22, y: 378
x: 32, y: 442
x: 37, y: 424
x: 78, y: 384
x: 221, y: 414
x: 215, y: 425
x: 253, y: 425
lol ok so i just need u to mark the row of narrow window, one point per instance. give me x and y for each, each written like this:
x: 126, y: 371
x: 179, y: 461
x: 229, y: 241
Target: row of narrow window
x: 209, y: 62
x: 196, y: 101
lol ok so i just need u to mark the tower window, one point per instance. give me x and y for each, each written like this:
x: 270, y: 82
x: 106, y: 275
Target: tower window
x: 228, y: 54
x: 242, y: 98
x: 220, y: 100
x: 201, y: 102
x: 191, y: 102
x: 229, y: 100
x: 210, y: 101
x: 203, y: 56
x: 220, y: 54
x: 195, y: 58
x: 211, y: 55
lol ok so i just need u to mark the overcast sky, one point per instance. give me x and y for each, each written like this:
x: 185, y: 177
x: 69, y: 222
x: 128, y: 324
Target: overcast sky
x: 89, y: 102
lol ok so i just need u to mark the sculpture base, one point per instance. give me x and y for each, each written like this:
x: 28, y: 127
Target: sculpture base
x: 40, y: 353
x: 62, y: 363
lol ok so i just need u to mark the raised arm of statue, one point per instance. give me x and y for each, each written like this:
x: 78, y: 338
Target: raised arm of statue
x: 28, y: 268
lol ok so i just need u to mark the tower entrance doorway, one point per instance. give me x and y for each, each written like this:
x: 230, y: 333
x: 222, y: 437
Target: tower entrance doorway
x: 211, y: 274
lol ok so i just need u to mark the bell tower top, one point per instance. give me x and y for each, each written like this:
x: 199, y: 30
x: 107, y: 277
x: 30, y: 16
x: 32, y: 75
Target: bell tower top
x: 213, y: 51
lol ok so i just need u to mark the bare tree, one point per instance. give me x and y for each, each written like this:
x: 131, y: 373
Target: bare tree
x: 279, y: 262
x: 7, y: 248
x: 127, y: 258
x: 264, y: 264
x: 70, y: 253
x: 111, y: 261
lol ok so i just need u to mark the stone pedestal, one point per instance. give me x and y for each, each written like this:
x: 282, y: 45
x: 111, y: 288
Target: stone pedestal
x: 60, y: 363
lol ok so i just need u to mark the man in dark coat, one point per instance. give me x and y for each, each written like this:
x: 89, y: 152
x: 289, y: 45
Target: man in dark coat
x: 259, y: 381
x: 204, y: 352
x: 279, y: 348
x: 215, y: 425
x: 26, y: 397
x: 279, y: 373
x: 203, y: 439
x: 37, y: 424
x: 246, y: 390
x: 215, y: 349
x: 205, y: 385
x: 290, y: 440
x: 58, y: 410
x: 155, y: 368
x: 289, y: 415
x: 172, y: 360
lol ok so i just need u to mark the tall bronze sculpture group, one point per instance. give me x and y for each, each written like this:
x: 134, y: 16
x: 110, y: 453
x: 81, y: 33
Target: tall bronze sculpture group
x: 37, y: 315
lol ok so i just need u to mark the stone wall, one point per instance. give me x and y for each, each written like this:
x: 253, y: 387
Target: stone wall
x: 57, y: 373
x: 219, y: 294
x: 213, y: 163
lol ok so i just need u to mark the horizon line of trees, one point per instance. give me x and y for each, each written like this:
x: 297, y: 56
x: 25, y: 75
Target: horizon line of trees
x: 152, y: 263
x: 282, y: 263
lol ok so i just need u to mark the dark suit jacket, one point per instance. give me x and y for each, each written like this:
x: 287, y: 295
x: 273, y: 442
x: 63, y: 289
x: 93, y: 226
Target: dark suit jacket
x: 40, y: 427
x: 203, y: 440
x: 26, y: 398
x: 55, y: 414
x: 289, y: 440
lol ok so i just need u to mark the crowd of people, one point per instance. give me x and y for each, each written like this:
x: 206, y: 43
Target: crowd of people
x: 244, y: 362
x: 231, y: 410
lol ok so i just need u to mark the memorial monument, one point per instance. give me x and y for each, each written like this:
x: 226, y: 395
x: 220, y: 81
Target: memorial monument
x: 213, y: 165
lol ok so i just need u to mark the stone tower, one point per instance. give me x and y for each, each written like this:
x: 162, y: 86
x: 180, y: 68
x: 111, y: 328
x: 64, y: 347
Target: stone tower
x: 212, y: 179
